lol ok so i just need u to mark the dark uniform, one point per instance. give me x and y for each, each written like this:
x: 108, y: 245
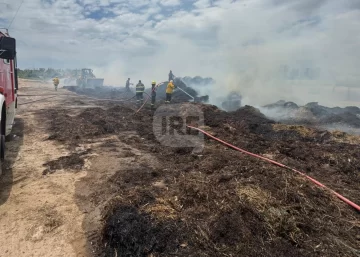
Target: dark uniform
x: 127, y: 87
x: 171, y: 76
x: 153, y: 94
x: 140, y: 88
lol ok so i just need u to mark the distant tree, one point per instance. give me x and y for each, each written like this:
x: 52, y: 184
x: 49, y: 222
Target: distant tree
x: 47, y: 73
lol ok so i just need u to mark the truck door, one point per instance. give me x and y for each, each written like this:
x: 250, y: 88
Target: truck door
x: 3, y: 75
x: 8, y: 88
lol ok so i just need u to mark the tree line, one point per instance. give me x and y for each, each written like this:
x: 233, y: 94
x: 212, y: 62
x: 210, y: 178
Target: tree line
x: 45, y: 74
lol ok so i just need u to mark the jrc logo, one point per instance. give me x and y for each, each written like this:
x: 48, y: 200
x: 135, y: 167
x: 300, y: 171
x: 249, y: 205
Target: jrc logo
x: 170, y: 126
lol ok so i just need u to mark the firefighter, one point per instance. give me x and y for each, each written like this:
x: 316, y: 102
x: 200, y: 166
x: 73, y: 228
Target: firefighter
x: 171, y: 76
x: 78, y: 81
x: 153, y: 94
x: 169, y: 90
x: 127, y: 87
x: 56, y: 82
x: 140, y: 88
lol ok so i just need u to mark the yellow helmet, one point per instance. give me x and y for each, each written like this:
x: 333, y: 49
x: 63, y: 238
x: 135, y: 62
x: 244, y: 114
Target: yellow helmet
x: 153, y: 83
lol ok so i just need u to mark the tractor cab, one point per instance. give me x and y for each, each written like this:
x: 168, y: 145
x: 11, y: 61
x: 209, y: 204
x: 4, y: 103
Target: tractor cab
x: 87, y: 73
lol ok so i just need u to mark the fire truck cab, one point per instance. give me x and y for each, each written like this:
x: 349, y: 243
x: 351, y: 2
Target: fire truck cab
x: 8, y: 87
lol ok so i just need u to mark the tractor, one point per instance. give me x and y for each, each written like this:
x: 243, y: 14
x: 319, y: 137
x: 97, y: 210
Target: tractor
x: 87, y: 79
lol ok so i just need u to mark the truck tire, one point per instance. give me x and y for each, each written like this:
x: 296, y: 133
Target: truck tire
x: 2, y: 133
x: 2, y: 147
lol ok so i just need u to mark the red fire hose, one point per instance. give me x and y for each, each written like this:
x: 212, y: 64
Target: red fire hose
x: 352, y: 204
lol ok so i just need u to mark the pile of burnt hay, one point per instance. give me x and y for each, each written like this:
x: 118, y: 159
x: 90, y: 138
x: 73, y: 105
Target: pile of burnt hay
x: 223, y: 204
x: 130, y: 232
x: 315, y: 114
x: 72, y: 162
x: 90, y: 123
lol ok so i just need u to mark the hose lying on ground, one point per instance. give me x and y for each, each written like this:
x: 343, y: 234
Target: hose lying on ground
x: 147, y: 99
x: 352, y: 204
x: 42, y: 99
x: 107, y: 99
x: 55, y: 95
x: 45, y: 95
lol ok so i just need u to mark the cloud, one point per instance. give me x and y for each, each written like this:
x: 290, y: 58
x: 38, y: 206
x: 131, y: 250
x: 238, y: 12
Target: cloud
x: 202, y: 4
x: 245, y: 45
x: 170, y: 2
x: 304, y: 6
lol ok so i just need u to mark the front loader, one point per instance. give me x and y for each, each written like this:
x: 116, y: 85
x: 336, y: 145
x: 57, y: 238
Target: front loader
x: 87, y: 79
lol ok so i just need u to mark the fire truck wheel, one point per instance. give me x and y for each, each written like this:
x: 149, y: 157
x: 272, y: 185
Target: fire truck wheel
x: 2, y: 146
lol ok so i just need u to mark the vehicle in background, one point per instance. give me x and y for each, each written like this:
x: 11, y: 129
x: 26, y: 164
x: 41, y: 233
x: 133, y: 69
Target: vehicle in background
x: 8, y: 87
x: 87, y: 79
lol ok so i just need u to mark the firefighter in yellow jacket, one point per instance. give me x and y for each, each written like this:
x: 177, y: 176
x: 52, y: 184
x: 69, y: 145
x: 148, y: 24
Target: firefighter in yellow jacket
x: 56, y: 82
x: 169, y: 90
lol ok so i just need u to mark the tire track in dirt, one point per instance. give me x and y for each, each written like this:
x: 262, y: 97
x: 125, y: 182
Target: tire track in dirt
x: 38, y: 214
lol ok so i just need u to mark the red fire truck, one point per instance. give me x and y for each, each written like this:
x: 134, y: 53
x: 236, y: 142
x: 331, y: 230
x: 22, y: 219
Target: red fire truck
x: 8, y: 87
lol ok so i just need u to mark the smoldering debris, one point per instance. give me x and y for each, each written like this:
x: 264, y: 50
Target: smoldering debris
x: 217, y: 203
x: 222, y: 203
x: 232, y: 101
x: 179, y: 96
x: 313, y: 114
x: 117, y: 93
x: 198, y: 81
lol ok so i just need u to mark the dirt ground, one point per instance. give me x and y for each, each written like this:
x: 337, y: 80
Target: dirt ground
x: 88, y: 178
x: 39, y: 215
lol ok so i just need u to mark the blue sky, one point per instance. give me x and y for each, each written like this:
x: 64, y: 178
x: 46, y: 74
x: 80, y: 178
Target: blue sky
x: 242, y: 42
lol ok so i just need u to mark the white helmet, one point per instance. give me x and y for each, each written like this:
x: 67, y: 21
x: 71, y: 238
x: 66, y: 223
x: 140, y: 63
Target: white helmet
x: 171, y: 81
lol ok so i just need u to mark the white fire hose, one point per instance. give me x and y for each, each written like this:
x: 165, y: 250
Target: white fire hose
x: 193, y: 98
